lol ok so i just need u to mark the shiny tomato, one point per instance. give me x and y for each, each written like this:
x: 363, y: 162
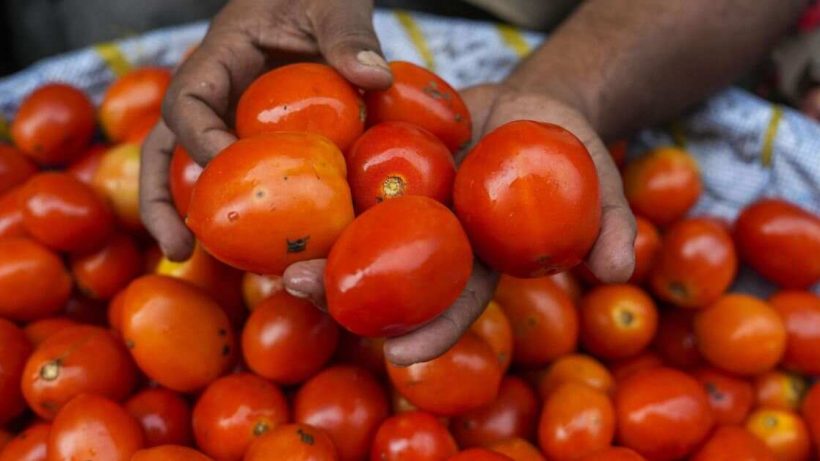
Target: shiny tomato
x: 290, y: 184
x: 543, y: 318
x: 740, y: 334
x: 38, y: 291
x: 780, y: 390
x: 292, y: 442
x: 647, y: 248
x: 575, y: 368
x: 397, y: 266
x: 732, y: 443
x: 614, y: 454
x: 784, y: 432
x: 176, y: 333
x: 39, y: 330
x: 412, y: 436
x: 810, y: 410
x: 500, y: 190
x: 800, y: 311
x: 479, y: 454
x: 164, y: 415
x: 362, y: 351
x: 675, y: 339
x: 233, y: 411
x: 348, y: 404
x: 730, y: 397
x: 494, y: 327
x: 15, y: 168
x: 117, y: 180
x: 182, y: 176
x: 422, y: 98
x: 781, y: 241
x: 511, y: 414
x: 517, y: 449
x: 569, y: 283
x: 28, y: 445
x: 623, y: 368
x: 87, y: 163
x: 132, y: 97
x: 54, y: 124
x: 288, y: 340
x: 662, y: 413
x: 11, y: 214
x: 662, y: 185
x: 13, y: 355
x: 576, y: 420
x: 169, y: 453
x: 393, y: 159
x: 105, y: 272
x: 256, y: 287
x: 617, y: 321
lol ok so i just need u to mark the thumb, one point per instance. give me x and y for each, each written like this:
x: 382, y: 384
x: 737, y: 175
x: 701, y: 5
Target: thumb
x: 305, y: 279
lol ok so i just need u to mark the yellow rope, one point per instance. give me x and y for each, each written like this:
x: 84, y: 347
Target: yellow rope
x: 113, y: 57
x: 771, y: 133
x: 417, y: 37
x: 514, y: 39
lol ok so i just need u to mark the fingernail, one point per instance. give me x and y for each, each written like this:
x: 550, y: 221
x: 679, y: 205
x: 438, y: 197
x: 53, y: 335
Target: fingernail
x: 297, y: 293
x: 372, y: 59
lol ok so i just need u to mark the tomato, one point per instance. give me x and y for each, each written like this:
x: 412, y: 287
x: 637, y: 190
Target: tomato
x: 511, y: 414
x: 11, y: 214
x: 397, y: 266
x: 429, y: 385
x: 696, y: 264
x: 348, y: 404
x: 781, y: 241
x: 182, y: 176
x: 393, y: 159
x: 65, y: 214
x: 614, y: 454
x: 662, y: 185
x: 292, y: 442
x: 740, y: 334
x: 675, y: 339
x: 647, y: 248
x: 569, y: 283
x: 730, y: 397
x: 164, y: 415
x: 38, y: 330
x: 176, y: 333
x: 28, y: 445
x: 169, y: 453
x: 779, y: 390
x: 133, y: 96
x: 233, y: 411
x: 810, y: 410
x: 399, y: 404
x: 141, y: 128
x: 288, y: 340
x: 68, y: 363
x: 412, y: 436
x: 105, y: 272
x: 303, y: 97
x: 800, y: 311
x: 576, y: 420
x: 38, y: 291
x: 290, y: 184
x: 255, y: 288
x: 784, y: 432
x: 54, y: 124
x: 479, y: 454
x: 115, y: 310
x: 575, y: 368
x: 87, y: 163
x: 494, y: 328
x: 362, y: 351
x: 15, y: 168
x: 662, y: 413
x: 117, y: 180
x: 422, y: 98
x: 617, y: 321
x: 517, y: 449
x: 732, y: 443
x: 623, y: 368
x: 13, y: 355
x: 93, y: 428
x: 502, y: 186
x: 543, y: 318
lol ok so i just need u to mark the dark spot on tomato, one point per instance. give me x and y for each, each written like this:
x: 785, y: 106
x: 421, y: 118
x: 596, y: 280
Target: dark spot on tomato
x: 260, y: 428
x: 458, y: 118
x: 626, y: 317
x: 714, y: 392
x: 305, y: 437
x: 226, y: 349
x: 362, y: 112
x: 129, y: 343
x: 297, y: 246
x: 678, y: 290
x: 222, y: 332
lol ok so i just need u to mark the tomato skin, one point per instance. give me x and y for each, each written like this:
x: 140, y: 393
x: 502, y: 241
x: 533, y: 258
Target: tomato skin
x: 783, y: 431
x: 164, y: 415
x: 517, y: 449
x: 329, y: 401
x: 810, y: 411
x: 429, y: 385
x: 781, y: 241
x: 117, y: 180
x: 575, y: 368
x: 414, y: 435
x: 54, y: 124
x: 730, y: 397
x: 38, y: 330
x: 397, y: 266
x: 647, y: 246
x: 291, y: 184
x: 569, y: 283
x: 675, y: 339
x: 169, y: 453
x: 292, y: 441
x: 85, y: 166
x: 13, y: 355
x: 141, y: 128
x: 576, y: 420
x: 696, y: 264
x: 779, y: 390
x: 114, y: 312
x: 800, y: 311
x: 362, y: 351
x: 28, y: 445
x: 255, y: 288
x: 305, y: 97
x: 617, y: 321
x: 105, y: 272
x: 132, y: 97
x: 393, y: 159
x: 732, y: 443
x: 740, y: 334
x: 543, y: 318
x: 15, y: 168
x: 46, y: 281
x: 11, y: 214
x: 288, y: 340
x: 479, y: 454
x: 623, y: 368
x: 176, y: 333
x: 182, y: 176
x: 614, y: 454
x: 494, y: 327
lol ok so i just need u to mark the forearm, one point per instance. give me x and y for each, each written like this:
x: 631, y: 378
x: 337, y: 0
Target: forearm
x: 629, y: 64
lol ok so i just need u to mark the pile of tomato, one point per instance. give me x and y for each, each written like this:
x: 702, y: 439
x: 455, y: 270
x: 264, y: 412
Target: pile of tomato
x: 111, y: 351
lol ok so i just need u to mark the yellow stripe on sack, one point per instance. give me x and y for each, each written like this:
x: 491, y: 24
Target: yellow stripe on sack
x: 5, y: 131
x: 514, y: 39
x: 417, y: 37
x: 678, y: 134
x: 771, y: 133
x: 113, y: 57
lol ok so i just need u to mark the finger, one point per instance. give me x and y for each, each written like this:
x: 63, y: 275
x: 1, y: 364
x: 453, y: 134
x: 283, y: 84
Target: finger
x: 156, y: 206
x: 438, y: 336
x: 305, y: 279
x: 479, y: 100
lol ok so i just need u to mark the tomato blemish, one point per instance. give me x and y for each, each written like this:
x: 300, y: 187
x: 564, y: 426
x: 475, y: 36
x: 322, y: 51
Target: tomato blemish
x: 297, y: 246
x: 305, y: 437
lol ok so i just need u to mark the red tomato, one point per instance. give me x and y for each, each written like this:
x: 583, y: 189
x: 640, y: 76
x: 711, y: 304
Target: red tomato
x: 117, y: 180
x: 576, y: 420
x: 617, y: 321
x: 730, y: 397
x: 517, y: 449
x: 141, y: 128
x: 500, y: 191
x: 28, y: 445
x: 732, y: 443
x: 39, y: 330
x: 696, y: 264
x: 779, y: 390
x: 781, y: 241
x: 305, y: 97
x: 784, y: 432
x: 169, y: 453
x: 412, y: 436
x: 362, y: 351
x: 348, y: 404
x: 93, y: 428
x: 38, y: 291
x: 569, y: 283
x: 255, y: 288
x: 293, y: 442
x: 675, y: 339
x: 494, y: 327
x: 87, y: 163
x: 647, y: 248
x: 662, y: 413
x: 288, y: 340
x: 430, y: 385
x: 543, y: 318
x: 614, y: 454
x: 132, y: 97
x: 65, y: 214
x: 800, y: 311
x: 105, y: 272
x: 479, y: 454
x: 422, y: 98
x: 176, y: 333
x: 182, y: 176
x: 15, y: 168
x: 575, y: 368
x: 397, y: 266
x: 54, y: 124
x: 11, y: 214
x: 233, y: 411
x: 13, y: 355
x: 622, y: 369
x: 290, y: 184
x: 393, y: 159
x: 114, y: 312
x: 164, y: 415
x: 810, y: 410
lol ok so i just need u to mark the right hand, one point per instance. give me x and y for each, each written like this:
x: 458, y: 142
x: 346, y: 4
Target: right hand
x: 245, y: 39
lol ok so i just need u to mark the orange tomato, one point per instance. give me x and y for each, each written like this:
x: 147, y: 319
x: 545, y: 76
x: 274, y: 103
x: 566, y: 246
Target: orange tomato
x: 800, y: 311
x: 779, y: 390
x: 576, y: 420
x: 732, y: 443
x: 28, y: 445
x: 38, y: 330
x: 169, y: 453
x: 87, y: 163
x: 141, y: 128
x: 730, y: 397
x: 494, y: 327
x: 13, y: 355
x: 117, y: 180
x: 617, y: 321
x: 810, y: 410
x: 517, y: 449
x: 413, y: 435
x: 15, y: 168
x: 614, y: 454
x: 255, y: 288
x: 647, y: 248
x: 132, y: 97
x: 292, y: 441
x: 575, y: 368
x: 114, y: 312
x: 38, y: 291
x: 479, y: 454
x: 182, y: 176
x: 164, y: 415
x: 784, y: 432
x: 362, y: 351
x: 675, y: 339
x: 105, y: 272
x: 11, y: 214
x: 623, y: 368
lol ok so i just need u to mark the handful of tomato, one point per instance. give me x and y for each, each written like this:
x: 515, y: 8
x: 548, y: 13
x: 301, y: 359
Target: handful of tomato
x: 109, y: 351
